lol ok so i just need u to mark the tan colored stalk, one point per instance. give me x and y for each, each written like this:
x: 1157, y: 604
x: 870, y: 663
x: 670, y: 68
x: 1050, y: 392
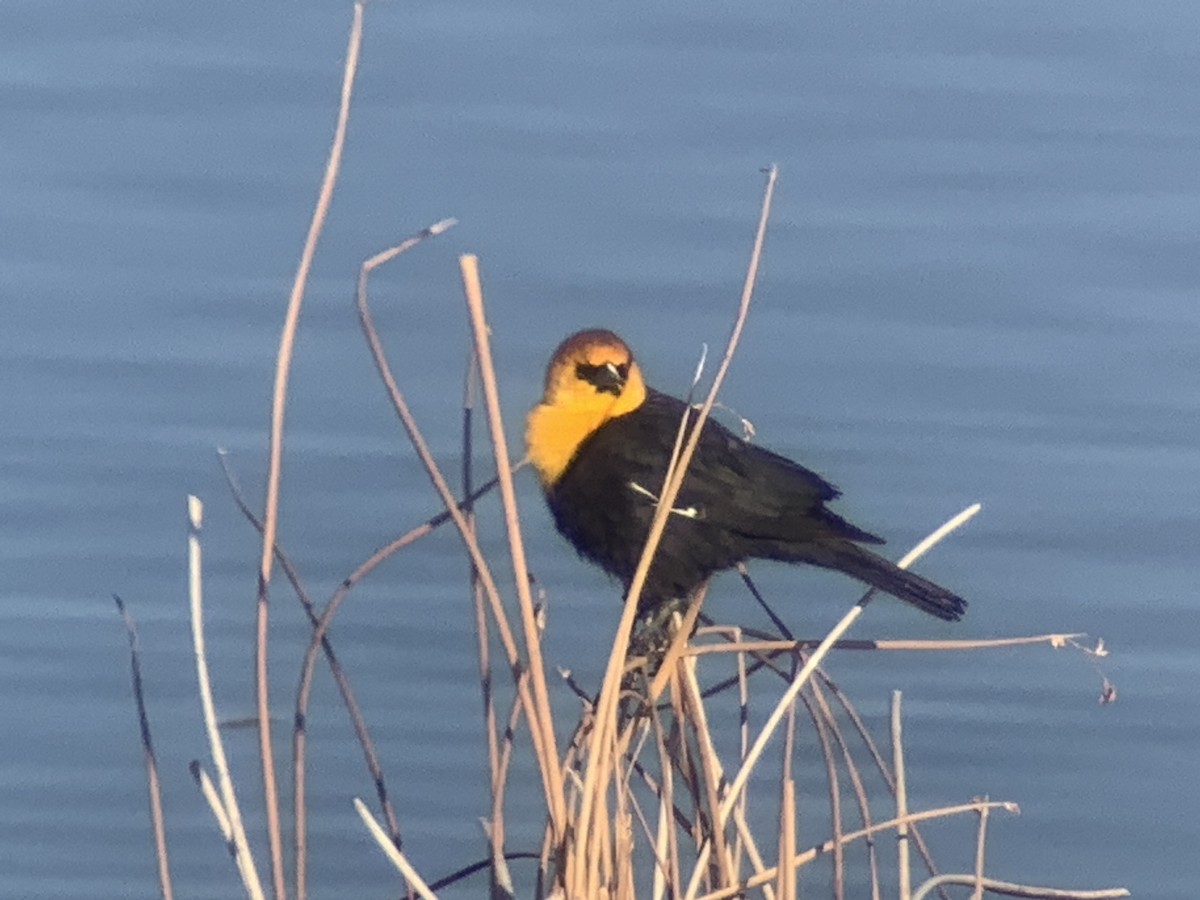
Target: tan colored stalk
x: 540, y: 714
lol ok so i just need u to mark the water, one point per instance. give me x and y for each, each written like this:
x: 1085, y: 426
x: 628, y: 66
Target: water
x: 978, y: 286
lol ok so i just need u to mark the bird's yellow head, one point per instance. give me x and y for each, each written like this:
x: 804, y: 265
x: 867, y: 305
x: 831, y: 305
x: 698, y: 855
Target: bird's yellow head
x: 592, y: 378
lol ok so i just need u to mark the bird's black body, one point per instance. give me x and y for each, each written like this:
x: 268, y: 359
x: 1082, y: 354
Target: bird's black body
x: 738, y: 501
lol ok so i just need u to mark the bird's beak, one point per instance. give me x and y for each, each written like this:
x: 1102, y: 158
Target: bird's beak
x: 611, y: 380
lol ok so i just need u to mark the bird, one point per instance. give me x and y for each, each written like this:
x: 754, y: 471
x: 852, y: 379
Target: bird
x: 600, y: 440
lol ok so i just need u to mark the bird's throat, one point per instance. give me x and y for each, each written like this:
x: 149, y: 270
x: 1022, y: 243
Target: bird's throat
x: 554, y: 431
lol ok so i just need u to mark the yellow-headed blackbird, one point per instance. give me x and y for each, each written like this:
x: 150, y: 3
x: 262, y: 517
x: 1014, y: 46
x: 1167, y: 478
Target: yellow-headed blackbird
x: 601, y: 440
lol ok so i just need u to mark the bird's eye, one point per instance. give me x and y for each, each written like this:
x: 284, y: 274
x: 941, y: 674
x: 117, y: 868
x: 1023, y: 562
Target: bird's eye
x: 607, y: 378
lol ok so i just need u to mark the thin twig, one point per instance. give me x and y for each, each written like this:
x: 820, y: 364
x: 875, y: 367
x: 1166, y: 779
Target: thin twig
x: 152, y: 783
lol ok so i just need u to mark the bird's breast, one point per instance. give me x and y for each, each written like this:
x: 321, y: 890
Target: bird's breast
x: 553, y: 435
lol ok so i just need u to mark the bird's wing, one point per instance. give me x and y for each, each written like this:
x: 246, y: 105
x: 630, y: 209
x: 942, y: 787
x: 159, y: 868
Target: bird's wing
x: 730, y: 484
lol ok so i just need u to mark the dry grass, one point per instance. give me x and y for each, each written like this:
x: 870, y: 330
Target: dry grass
x: 644, y: 796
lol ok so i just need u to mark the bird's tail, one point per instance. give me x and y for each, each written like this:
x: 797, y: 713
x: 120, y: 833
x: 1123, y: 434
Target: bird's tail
x: 886, y: 576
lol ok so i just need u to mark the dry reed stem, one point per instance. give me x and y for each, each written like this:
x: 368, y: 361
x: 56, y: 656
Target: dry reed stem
x: 540, y: 714
x: 807, y: 856
x: 980, y: 846
x: 275, y: 455
x: 154, y: 787
x: 1009, y: 889
x: 606, y: 708
x: 1054, y: 640
x: 229, y: 804
x: 898, y: 767
x: 743, y: 775
x: 390, y: 850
